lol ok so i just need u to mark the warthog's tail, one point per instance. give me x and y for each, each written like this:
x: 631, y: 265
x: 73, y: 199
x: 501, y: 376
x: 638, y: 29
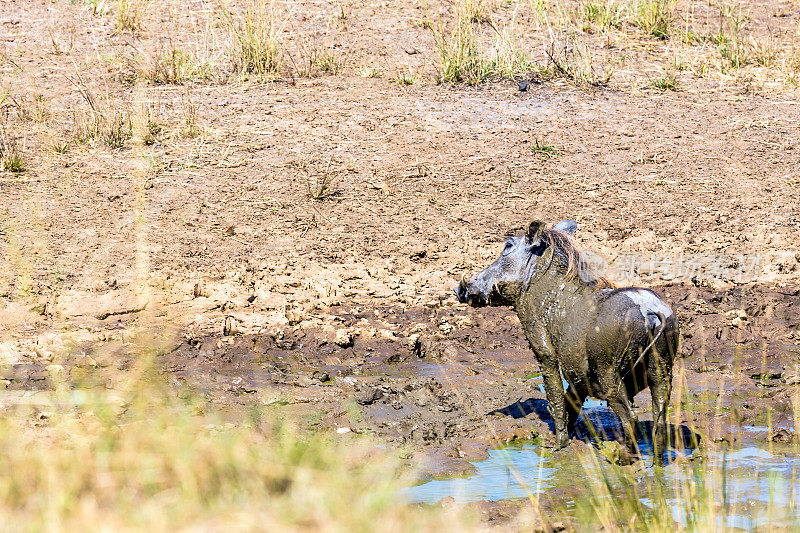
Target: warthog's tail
x: 662, y: 324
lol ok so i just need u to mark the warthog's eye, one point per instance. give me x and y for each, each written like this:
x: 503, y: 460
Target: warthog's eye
x: 509, y: 244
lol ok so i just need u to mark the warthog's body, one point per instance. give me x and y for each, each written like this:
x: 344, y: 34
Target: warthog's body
x: 607, y: 343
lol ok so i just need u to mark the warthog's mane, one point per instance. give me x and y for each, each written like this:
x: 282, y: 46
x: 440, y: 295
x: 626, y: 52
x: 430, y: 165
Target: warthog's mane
x: 573, y: 260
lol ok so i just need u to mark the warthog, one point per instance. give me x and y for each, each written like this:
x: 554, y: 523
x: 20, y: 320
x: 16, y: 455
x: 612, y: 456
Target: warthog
x: 609, y: 343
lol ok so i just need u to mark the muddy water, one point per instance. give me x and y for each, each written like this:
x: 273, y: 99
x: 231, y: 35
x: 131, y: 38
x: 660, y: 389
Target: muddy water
x: 751, y: 485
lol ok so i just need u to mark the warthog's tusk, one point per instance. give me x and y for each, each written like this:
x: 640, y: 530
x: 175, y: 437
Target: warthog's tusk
x: 462, y: 284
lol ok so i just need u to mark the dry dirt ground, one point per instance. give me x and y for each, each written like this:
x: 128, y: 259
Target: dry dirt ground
x: 294, y: 242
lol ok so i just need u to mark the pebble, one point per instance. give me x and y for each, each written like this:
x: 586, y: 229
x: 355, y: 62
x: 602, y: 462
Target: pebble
x: 343, y: 338
x: 369, y: 396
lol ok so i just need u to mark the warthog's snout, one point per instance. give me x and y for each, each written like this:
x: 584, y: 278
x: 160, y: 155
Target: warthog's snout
x: 466, y: 294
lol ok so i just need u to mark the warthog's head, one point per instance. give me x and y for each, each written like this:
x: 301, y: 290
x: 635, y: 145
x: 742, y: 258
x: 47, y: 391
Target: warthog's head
x: 502, y: 282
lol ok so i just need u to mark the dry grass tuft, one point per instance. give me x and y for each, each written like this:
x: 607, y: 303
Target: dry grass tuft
x: 463, y: 56
x: 654, y: 17
x: 10, y: 157
x: 170, y: 64
x: 574, y: 62
x: 256, y: 47
x: 317, y: 58
x: 130, y: 14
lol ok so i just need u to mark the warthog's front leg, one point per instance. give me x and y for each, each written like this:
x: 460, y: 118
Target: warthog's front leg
x: 556, y: 403
x: 574, y: 402
x: 553, y: 387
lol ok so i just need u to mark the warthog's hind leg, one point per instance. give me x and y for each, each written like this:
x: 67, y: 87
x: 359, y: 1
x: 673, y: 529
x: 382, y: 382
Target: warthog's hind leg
x: 622, y: 408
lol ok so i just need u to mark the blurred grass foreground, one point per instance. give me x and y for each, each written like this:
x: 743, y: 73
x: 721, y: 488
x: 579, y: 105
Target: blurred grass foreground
x: 147, y: 458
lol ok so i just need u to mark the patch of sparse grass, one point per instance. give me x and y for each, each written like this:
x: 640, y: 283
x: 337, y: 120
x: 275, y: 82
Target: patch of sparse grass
x: 654, y: 17
x: 142, y: 458
x: 170, y: 65
x: 86, y: 126
x: 130, y: 14
x: 256, y: 47
x: 543, y: 149
x: 369, y: 72
x: 191, y: 123
x: 146, y: 125
x: 317, y: 58
x: 60, y: 147
x: 114, y: 127
x: 764, y: 52
x: 404, y: 77
x: 319, y: 181
x: 10, y: 157
x: 329, y: 60
x: 667, y: 81
x: 40, y: 112
x: 604, y: 14
x: 728, y: 38
x: 118, y: 129
x: 107, y: 122
x: 505, y: 59
x: 476, y: 10
x: 792, y: 67
x: 463, y: 58
x: 575, y: 63
x: 458, y: 51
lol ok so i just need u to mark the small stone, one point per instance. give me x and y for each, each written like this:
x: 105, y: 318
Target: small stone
x: 294, y: 316
x: 395, y: 358
x: 782, y: 435
x: 369, y: 396
x: 450, y: 353
x: 387, y: 334
x: 343, y: 338
x: 342, y: 430
x: 85, y: 360
x: 322, y: 377
x: 791, y: 377
x: 54, y: 369
x: 523, y: 86
x: 303, y: 381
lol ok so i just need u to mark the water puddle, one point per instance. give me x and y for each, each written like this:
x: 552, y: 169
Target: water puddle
x: 753, y: 487
x: 508, y: 473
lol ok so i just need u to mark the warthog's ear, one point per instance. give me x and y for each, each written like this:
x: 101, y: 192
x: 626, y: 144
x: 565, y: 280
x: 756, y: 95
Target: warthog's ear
x: 567, y: 226
x: 534, y: 236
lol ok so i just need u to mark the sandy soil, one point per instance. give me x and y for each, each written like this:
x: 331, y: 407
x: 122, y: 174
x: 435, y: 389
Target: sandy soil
x: 208, y: 247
